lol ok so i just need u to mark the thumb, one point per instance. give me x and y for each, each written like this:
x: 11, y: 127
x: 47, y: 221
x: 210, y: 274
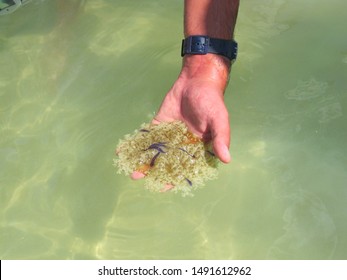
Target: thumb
x: 220, y: 132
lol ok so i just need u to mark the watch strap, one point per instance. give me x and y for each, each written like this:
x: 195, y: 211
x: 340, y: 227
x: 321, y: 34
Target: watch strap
x: 204, y: 44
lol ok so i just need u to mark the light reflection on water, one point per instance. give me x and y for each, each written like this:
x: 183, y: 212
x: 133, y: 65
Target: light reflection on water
x: 75, y: 77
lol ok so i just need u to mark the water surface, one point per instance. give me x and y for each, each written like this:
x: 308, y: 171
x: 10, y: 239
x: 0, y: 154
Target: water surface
x: 75, y: 76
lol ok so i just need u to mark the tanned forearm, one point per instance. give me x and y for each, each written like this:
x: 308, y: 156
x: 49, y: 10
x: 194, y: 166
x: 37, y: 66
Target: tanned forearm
x: 214, y: 18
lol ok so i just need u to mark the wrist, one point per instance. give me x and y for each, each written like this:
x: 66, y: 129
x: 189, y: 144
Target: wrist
x: 211, y: 67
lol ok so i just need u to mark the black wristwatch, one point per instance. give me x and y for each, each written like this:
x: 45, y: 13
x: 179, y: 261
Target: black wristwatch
x: 205, y: 44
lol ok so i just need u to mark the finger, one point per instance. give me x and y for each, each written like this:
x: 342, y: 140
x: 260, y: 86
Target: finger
x: 220, y: 133
x: 167, y: 187
x: 136, y: 175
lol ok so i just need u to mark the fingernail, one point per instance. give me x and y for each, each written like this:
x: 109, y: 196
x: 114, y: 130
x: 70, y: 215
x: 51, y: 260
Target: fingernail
x: 226, y: 154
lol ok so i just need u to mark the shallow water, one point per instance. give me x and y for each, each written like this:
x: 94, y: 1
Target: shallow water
x: 75, y: 76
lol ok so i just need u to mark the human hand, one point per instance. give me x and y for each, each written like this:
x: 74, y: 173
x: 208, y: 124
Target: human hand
x: 196, y: 98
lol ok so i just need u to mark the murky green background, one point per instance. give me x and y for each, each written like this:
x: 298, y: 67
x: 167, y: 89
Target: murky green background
x: 75, y: 76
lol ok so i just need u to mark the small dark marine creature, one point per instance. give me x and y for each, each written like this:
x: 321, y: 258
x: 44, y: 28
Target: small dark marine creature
x: 189, y: 182
x: 183, y: 150
x: 156, y: 146
x: 153, y: 159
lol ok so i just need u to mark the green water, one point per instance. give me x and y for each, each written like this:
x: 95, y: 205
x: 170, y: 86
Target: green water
x: 75, y: 76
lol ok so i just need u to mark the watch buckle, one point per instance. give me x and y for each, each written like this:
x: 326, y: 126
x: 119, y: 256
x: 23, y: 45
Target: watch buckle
x: 195, y: 45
